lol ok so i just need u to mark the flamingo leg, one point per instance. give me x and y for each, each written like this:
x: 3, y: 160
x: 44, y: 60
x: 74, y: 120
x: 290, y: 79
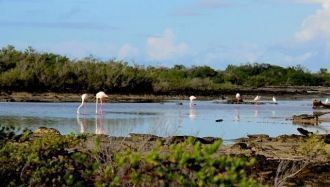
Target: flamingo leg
x: 97, y: 125
x: 84, y: 107
x: 101, y: 109
x: 96, y: 105
x: 80, y: 107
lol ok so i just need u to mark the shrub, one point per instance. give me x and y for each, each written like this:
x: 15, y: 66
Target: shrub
x: 189, y: 163
x: 50, y: 159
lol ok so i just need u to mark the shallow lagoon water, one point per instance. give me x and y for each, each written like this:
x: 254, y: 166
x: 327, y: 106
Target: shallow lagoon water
x: 162, y: 119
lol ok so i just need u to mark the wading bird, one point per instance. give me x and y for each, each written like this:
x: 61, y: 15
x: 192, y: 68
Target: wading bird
x: 274, y: 99
x: 100, y: 96
x: 83, y: 98
x: 238, y: 98
x: 257, y: 98
x: 191, y: 98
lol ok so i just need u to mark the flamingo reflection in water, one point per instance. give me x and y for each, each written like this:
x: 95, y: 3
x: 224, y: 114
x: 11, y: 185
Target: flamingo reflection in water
x: 82, y: 124
x: 237, y: 117
x: 256, y: 113
x: 192, y: 113
x: 273, y: 113
x: 99, y: 127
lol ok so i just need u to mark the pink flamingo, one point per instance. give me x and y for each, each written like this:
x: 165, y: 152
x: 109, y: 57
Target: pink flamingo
x: 100, y: 96
x: 191, y: 98
x: 257, y: 98
x: 238, y: 98
x: 83, y: 98
x: 274, y: 99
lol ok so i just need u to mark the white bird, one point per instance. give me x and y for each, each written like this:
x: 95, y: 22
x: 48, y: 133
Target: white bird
x: 100, y: 96
x: 83, y: 98
x: 257, y: 98
x: 238, y: 96
x: 191, y: 98
x: 326, y: 101
x: 274, y: 99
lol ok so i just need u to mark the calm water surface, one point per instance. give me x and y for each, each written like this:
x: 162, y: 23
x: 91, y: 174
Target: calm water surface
x: 162, y: 119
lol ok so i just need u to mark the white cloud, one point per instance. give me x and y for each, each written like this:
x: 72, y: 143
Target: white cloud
x: 127, y: 51
x: 239, y: 54
x: 221, y: 56
x: 316, y: 26
x: 164, y: 47
x: 300, y: 59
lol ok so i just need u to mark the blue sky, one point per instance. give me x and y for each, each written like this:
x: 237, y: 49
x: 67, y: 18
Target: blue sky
x: 163, y: 33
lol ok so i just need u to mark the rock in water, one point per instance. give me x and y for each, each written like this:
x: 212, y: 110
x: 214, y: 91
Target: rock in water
x: 304, y: 132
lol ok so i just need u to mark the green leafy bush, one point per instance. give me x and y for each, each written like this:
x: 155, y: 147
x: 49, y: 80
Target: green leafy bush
x: 45, y: 160
x: 185, y: 164
x: 49, y: 159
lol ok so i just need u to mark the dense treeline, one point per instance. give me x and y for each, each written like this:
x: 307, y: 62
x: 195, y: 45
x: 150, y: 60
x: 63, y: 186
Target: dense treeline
x: 35, y: 71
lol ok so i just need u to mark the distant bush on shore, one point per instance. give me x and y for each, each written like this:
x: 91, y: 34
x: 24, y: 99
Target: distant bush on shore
x: 35, y: 71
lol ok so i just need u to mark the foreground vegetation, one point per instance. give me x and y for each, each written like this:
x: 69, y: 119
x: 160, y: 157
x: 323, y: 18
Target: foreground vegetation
x: 35, y: 71
x: 46, y: 158
x: 49, y: 159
